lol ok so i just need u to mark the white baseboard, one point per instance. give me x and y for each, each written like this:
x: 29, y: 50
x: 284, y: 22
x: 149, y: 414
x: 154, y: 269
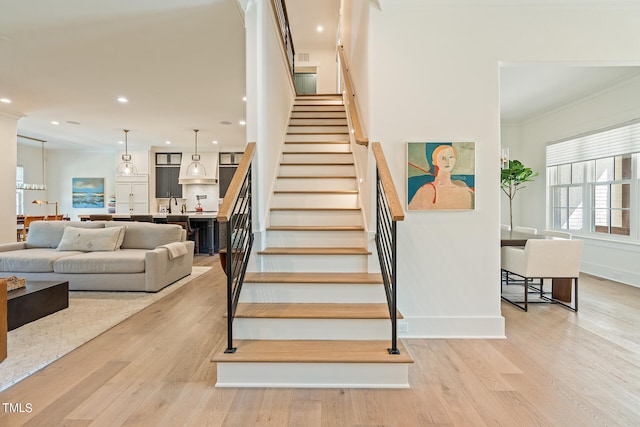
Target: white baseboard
x: 453, y: 327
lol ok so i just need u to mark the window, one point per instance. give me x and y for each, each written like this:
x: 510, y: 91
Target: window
x: 591, y: 185
x: 19, y: 190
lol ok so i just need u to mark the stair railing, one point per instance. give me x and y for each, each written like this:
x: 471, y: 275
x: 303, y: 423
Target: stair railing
x: 388, y: 212
x: 235, y: 215
x: 352, y: 106
x: 280, y: 9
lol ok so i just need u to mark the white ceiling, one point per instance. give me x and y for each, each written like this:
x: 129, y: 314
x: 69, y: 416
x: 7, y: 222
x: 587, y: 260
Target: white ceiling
x: 528, y: 90
x: 181, y: 64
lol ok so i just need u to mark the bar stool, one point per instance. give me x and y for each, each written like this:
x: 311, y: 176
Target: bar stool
x: 183, y: 221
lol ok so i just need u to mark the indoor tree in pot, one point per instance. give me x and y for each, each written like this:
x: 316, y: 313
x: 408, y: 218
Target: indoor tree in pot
x: 511, y: 180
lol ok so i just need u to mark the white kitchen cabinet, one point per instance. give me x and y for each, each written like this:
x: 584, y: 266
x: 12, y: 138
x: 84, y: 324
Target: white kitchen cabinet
x: 132, y: 195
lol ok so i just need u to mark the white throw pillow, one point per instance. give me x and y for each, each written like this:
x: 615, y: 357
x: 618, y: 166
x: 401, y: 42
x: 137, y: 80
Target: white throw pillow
x: 91, y: 240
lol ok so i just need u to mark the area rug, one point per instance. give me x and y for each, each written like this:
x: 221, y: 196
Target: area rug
x: 35, y: 345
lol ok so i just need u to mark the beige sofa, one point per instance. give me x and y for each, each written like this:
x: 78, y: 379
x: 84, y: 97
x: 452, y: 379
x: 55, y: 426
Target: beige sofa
x: 101, y: 255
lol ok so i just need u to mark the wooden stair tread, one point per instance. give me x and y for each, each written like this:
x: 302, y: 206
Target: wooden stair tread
x: 313, y: 251
x: 278, y: 277
x: 315, y: 209
x: 317, y: 152
x: 317, y: 164
x: 316, y: 142
x: 315, y: 192
x: 314, y: 351
x: 312, y: 311
x: 315, y: 228
x: 318, y: 133
x: 316, y: 177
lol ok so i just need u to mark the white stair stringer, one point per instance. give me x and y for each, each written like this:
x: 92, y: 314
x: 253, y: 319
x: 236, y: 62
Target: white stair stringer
x: 311, y: 315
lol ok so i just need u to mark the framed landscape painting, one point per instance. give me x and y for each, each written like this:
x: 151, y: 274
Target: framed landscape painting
x: 440, y: 176
x: 88, y: 192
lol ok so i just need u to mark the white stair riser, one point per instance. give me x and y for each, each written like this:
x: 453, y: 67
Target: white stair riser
x: 346, y: 147
x: 313, y: 375
x: 317, y: 158
x: 311, y: 329
x: 295, y: 218
x: 319, y: 122
x: 315, y: 114
x: 321, y: 239
x: 318, y: 137
x: 318, y: 129
x: 318, y: 108
x: 318, y: 102
x: 319, y: 170
x: 314, y: 263
x: 286, y: 200
x: 334, y: 293
x: 317, y: 184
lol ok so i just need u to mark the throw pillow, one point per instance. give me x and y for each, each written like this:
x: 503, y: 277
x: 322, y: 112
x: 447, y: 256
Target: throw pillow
x: 91, y: 240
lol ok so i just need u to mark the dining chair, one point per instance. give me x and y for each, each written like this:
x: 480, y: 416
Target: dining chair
x: 542, y: 259
x: 142, y: 218
x: 183, y: 221
x: 100, y: 217
x: 556, y: 233
x: 529, y: 230
x: 28, y: 220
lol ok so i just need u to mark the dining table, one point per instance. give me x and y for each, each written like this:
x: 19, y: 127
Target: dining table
x: 560, y: 288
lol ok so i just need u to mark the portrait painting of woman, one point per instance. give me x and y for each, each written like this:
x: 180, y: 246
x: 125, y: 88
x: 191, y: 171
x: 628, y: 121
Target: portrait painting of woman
x: 440, y: 175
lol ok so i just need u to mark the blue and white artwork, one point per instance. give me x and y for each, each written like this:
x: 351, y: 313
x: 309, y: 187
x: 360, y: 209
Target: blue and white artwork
x: 88, y: 192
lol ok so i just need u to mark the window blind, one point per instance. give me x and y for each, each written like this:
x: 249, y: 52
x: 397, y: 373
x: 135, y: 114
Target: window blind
x: 618, y: 140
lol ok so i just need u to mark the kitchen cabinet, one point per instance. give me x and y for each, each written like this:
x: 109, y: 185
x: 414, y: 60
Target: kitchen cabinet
x: 167, y: 175
x: 167, y: 184
x: 132, y: 195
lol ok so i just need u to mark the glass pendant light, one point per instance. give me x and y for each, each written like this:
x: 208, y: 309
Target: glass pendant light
x: 196, y: 168
x: 126, y: 167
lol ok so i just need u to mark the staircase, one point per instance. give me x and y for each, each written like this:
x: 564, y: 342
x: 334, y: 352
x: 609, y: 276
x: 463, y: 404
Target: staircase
x: 314, y: 316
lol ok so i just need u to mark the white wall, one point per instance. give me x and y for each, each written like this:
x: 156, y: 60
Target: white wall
x: 621, y: 103
x: 8, y: 161
x: 325, y: 62
x: 434, y: 75
x: 64, y: 165
x: 270, y: 95
x: 354, y: 27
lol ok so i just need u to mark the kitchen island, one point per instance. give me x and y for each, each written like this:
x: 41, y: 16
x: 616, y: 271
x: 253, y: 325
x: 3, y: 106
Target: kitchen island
x: 205, y: 221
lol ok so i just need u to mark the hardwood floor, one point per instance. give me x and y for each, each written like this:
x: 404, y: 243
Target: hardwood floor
x: 555, y: 368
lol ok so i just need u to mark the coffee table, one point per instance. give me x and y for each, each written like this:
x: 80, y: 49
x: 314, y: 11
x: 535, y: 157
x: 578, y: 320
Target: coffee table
x: 35, y: 301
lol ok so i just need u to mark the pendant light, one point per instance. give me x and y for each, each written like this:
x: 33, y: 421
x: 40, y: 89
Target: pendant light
x: 196, y: 168
x: 126, y: 167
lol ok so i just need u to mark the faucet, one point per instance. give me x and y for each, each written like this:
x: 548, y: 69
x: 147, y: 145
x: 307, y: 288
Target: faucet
x: 175, y: 200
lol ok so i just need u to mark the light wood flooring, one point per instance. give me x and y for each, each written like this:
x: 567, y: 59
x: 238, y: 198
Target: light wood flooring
x: 555, y: 368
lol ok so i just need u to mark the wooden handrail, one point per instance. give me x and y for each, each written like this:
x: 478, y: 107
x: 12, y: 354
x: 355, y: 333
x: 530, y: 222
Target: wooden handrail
x: 353, y: 109
x: 225, y: 211
x: 395, y: 207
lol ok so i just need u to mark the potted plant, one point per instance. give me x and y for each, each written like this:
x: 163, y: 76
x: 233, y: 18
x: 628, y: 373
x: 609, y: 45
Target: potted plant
x: 512, y: 179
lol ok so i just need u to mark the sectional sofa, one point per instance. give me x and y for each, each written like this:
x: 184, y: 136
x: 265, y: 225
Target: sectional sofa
x: 101, y: 255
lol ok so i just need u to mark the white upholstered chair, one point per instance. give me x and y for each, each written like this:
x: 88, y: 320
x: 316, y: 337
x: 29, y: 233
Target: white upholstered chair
x: 541, y: 259
x: 529, y: 230
x: 556, y: 233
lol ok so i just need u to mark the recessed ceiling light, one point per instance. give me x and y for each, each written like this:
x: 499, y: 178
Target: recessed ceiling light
x: 214, y: 142
x: 5, y: 100
x: 55, y: 123
x: 320, y: 29
x: 167, y: 142
x: 244, y: 98
x: 122, y: 100
x: 120, y: 142
x: 242, y: 122
x: 71, y: 122
x: 5, y: 37
x: 225, y: 122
